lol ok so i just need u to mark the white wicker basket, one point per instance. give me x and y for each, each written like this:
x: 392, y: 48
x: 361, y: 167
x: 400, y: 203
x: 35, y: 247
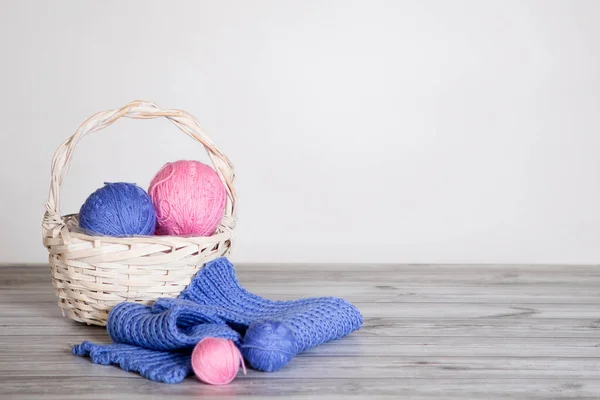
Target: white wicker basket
x: 91, y: 274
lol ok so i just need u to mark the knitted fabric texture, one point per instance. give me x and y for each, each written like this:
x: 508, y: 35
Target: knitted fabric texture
x: 313, y: 321
x: 213, y: 305
x: 156, y: 341
x: 167, y: 325
x: 159, y: 366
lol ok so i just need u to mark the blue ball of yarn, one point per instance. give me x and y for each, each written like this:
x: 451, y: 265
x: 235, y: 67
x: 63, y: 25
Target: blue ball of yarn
x: 118, y: 209
x: 268, y: 345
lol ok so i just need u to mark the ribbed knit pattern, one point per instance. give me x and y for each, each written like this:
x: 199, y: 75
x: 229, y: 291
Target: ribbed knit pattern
x: 159, y: 366
x: 179, y: 325
x: 157, y: 340
x: 313, y: 321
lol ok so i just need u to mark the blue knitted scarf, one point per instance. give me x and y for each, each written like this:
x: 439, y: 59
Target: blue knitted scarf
x: 157, y: 340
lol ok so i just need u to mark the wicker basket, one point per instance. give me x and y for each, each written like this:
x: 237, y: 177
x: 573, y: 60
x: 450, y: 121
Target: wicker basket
x: 91, y: 274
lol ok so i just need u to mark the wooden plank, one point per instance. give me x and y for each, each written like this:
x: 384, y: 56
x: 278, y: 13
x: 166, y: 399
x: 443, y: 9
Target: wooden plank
x: 376, y: 326
x: 406, y: 276
x: 381, y: 294
x: 133, y: 388
x: 384, y: 267
x: 482, y: 327
x: 359, y: 345
x: 405, y: 310
x: 335, y: 367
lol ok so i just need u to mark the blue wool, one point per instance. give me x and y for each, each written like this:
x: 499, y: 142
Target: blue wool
x: 311, y: 321
x: 118, y: 209
x: 269, y: 345
x: 159, y: 366
x: 215, y: 305
x: 181, y: 326
x: 156, y: 341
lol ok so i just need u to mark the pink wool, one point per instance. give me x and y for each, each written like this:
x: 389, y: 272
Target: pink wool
x: 216, y: 361
x: 189, y: 199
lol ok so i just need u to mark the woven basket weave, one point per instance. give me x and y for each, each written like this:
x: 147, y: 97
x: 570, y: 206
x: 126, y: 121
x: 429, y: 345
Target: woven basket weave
x: 92, y: 274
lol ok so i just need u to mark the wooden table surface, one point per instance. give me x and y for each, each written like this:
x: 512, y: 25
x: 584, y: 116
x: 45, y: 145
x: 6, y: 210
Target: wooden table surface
x: 430, y: 332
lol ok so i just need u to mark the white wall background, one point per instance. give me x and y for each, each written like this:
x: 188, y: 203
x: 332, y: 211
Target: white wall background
x: 361, y: 131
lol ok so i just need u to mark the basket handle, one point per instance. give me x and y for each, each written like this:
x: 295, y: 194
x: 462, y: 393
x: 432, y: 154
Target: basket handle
x: 138, y: 109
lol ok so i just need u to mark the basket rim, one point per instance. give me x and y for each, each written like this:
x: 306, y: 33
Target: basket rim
x: 161, y: 239
x: 166, y: 240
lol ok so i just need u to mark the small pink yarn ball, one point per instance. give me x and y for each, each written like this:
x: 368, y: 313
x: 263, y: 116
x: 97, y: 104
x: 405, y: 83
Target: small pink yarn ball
x: 189, y: 199
x: 216, y: 361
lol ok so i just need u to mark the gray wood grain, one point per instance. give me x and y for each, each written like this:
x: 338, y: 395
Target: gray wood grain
x: 430, y: 332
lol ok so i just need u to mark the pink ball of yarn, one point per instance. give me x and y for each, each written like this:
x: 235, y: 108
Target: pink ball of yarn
x: 189, y: 199
x: 216, y: 361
